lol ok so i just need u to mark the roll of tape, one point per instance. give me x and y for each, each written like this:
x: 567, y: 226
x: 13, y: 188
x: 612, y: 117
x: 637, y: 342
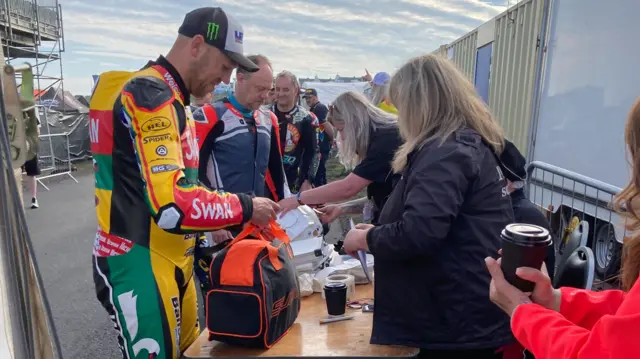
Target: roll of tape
x: 347, y: 279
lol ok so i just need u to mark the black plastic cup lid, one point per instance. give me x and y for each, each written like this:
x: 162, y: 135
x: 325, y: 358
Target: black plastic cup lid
x: 335, y: 285
x: 525, y: 232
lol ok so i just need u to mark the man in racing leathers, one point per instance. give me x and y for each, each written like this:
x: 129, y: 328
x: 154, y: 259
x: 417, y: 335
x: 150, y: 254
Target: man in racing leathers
x: 149, y: 204
x: 239, y: 151
x: 298, y: 136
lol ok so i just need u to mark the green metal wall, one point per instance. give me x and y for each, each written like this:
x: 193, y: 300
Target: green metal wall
x: 513, y: 69
x: 464, y: 53
x: 513, y: 65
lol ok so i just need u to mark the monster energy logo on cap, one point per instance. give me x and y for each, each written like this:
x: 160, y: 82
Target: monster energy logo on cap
x: 212, y: 30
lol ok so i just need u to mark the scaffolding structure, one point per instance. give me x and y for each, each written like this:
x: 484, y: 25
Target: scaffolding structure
x: 32, y: 31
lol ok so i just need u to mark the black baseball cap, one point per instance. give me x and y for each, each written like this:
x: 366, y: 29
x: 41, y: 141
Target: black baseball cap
x: 310, y: 92
x: 513, y: 163
x: 220, y: 30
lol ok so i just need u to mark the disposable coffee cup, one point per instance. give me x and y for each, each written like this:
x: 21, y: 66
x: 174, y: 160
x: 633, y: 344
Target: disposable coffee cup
x: 523, y: 245
x: 336, y: 297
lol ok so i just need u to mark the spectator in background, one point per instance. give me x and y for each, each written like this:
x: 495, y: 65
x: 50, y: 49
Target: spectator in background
x: 271, y: 96
x: 442, y: 218
x: 514, y: 170
x: 201, y: 101
x: 380, y: 92
x: 367, y: 140
x: 32, y: 169
x: 298, y: 136
x: 325, y: 134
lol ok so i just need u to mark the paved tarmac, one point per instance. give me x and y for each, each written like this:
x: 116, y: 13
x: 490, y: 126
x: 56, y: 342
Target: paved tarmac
x: 62, y: 231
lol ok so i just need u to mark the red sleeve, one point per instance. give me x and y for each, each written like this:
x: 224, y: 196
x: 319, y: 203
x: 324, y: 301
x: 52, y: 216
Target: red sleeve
x: 548, y: 334
x: 205, y: 119
x: 585, y: 307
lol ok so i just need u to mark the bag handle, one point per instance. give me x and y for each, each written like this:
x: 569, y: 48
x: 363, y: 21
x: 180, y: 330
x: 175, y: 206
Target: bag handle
x: 273, y: 228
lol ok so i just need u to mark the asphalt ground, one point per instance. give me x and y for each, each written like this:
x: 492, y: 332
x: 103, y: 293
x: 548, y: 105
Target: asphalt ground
x: 62, y: 231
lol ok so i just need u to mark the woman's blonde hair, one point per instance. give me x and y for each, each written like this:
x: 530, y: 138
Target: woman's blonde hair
x: 434, y: 99
x: 627, y: 201
x: 359, y: 117
x: 379, y: 93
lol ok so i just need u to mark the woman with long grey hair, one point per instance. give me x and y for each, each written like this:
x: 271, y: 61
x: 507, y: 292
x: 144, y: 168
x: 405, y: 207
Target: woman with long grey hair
x: 442, y: 219
x: 367, y: 140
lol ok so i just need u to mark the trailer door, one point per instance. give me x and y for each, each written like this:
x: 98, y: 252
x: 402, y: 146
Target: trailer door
x: 591, y: 79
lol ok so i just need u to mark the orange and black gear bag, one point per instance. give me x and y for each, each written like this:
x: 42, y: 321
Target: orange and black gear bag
x: 255, y: 295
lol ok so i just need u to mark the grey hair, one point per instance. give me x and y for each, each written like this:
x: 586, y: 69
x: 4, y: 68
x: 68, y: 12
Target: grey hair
x: 434, y: 99
x: 359, y: 117
x: 379, y: 93
x: 291, y: 76
x: 258, y: 60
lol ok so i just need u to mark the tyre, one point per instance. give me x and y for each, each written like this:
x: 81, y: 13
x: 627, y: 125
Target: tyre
x: 607, y: 251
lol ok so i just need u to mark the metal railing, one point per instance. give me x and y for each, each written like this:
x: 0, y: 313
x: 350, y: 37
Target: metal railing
x: 54, y: 157
x: 563, y: 195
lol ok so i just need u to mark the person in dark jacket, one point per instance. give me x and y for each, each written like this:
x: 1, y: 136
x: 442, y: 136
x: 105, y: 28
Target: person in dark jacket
x: 442, y: 218
x: 524, y: 211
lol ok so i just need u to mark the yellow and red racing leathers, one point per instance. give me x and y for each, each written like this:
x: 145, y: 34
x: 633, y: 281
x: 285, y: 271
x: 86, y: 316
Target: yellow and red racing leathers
x: 149, y: 207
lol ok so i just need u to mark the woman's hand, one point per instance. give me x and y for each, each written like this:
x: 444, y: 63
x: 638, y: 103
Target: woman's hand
x: 507, y: 297
x: 356, y: 240
x: 543, y: 293
x: 329, y: 213
x: 503, y: 294
x: 288, y: 204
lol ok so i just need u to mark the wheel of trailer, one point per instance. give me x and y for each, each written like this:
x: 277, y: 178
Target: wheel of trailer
x: 607, y: 251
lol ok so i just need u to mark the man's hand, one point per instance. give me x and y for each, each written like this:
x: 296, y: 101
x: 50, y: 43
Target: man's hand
x: 329, y: 213
x: 288, y: 204
x: 264, y: 211
x: 220, y: 236
x: 305, y: 186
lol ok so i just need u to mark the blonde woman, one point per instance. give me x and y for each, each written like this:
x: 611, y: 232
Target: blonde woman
x: 367, y: 140
x: 442, y: 218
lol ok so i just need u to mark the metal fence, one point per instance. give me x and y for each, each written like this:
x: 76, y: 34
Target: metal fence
x: 54, y: 157
x: 563, y: 195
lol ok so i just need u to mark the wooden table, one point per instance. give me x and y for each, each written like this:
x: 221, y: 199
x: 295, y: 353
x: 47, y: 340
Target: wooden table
x: 309, y: 338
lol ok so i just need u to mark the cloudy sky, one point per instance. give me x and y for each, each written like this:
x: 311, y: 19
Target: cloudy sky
x: 323, y: 37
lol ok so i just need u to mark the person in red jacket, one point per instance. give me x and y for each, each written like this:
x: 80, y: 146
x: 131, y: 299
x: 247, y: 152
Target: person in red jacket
x: 573, y: 323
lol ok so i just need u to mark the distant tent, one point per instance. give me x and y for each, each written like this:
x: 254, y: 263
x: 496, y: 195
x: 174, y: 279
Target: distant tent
x: 83, y: 100
x: 56, y: 100
x: 37, y: 93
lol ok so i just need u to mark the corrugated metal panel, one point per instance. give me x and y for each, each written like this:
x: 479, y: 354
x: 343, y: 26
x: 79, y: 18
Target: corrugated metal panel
x: 464, y: 53
x: 441, y: 51
x: 513, y: 69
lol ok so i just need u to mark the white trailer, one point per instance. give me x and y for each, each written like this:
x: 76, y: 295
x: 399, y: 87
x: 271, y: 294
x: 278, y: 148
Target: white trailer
x: 328, y: 91
x: 587, y: 79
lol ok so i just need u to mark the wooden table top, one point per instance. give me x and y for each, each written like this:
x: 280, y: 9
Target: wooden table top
x: 309, y: 338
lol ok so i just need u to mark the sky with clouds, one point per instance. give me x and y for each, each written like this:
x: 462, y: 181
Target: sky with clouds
x: 311, y: 37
